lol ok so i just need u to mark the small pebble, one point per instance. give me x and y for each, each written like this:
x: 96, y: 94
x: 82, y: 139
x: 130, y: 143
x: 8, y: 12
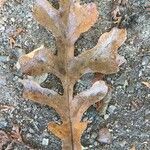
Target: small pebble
x: 31, y: 130
x: 111, y: 109
x: 104, y: 136
x: 4, y: 67
x: 94, y: 135
x: 121, y: 80
x: 2, y: 28
x: 15, y: 78
x: 12, y: 19
x: 3, y: 58
x: 45, y: 141
x: 145, y: 61
x: 28, y: 135
x: 96, y: 143
x: 122, y: 143
x: 91, y: 140
x: 106, y: 116
x: 2, y: 80
x: 3, y: 123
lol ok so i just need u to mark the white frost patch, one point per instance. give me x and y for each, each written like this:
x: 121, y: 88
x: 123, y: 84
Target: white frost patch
x: 98, y: 87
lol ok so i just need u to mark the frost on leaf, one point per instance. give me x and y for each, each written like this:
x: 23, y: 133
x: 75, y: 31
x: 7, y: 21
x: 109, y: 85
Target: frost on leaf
x: 66, y: 24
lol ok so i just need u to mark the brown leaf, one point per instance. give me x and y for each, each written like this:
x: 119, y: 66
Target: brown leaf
x: 44, y: 96
x: 133, y: 147
x: 117, y: 13
x: 6, y: 107
x: 84, y: 100
x: 47, y: 16
x: 81, y: 18
x: 8, y: 139
x: 18, y: 32
x: 37, y: 62
x: 67, y: 23
x: 103, y: 58
x: 15, y: 134
x: 12, y: 37
x: 136, y: 104
x: 97, y: 77
x: 103, y: 104
x: 12, y: 42
x: 147, y: 84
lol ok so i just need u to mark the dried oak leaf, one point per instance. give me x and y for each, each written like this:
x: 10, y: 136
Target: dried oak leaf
x: 103, y: 58
x: 12, y: 37
x: 117, y: 13
x: 133, y: 147
x: 147, y: 84
x: 79, y: 18
x: 6, y: 107
x: 67, y: 23
x: 15, y: 134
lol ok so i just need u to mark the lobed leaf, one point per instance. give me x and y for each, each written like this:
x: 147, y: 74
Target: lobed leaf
x: 47, y: 16
x: 80, y: 104
x: 38, y: 62
x: 81, y: 18
x: 44, y: 96
x: 103, y: 58
x: 67, y: 23
x: 84, y: 100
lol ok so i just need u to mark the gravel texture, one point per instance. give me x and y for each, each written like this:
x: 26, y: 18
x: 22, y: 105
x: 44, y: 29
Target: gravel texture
x: 128, y: 114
